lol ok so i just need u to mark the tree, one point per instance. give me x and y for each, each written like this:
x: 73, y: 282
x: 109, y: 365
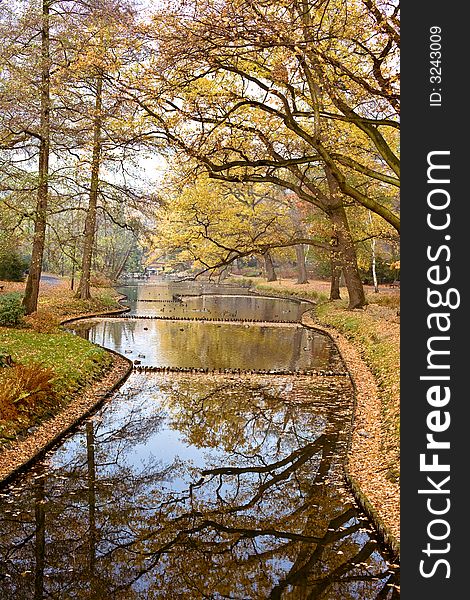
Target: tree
x: 30, y: 300
x: 90, y: 221
x: 301, y: 266
x: 110, y: 25
x: 244, y: 98
x: 74, y: 153
x: 213, y: 224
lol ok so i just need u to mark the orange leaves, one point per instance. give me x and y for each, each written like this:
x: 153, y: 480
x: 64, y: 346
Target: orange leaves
x: 23, y: 388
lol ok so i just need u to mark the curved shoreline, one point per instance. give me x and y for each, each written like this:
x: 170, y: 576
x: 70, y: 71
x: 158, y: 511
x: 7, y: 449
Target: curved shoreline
x: 363, y: 468
x: 50, y: 433
x: 376, y: 496
x: 24, y: 453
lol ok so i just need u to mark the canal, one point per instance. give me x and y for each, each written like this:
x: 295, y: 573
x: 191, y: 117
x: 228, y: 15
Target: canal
x: 215, y: 473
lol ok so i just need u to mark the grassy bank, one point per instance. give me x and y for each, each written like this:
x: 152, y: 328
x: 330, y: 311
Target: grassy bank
x: 50, y: 366
x: 285, y: 287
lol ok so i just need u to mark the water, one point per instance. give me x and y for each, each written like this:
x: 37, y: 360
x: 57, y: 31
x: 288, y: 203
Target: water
x: 197, y: 486
x: 228, y: 303
x: 224, y: 345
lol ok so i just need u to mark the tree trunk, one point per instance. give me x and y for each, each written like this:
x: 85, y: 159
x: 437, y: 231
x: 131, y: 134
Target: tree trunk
x: 335, y: 279
x: 83, y: 291
x: 346, y: 253
x: 374, y: 270
x: 117, y: 273
x: 223, y: 274
x: 30, y: 300
x: 343, y: 244
x: 301, y: 267
x: 269, y: 267
x: 72, y: 278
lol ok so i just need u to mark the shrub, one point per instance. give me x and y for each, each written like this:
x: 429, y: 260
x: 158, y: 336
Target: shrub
x: 385, y: 273
x: 26, y: 389
x: 12, y: 266
x: 11, y: 309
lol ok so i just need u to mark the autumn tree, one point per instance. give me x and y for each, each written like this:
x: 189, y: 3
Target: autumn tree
x: 109, y: 27
x: 266, y: 92
x: 25, y: 134
x: 212, y: 224
x: 68, y: 142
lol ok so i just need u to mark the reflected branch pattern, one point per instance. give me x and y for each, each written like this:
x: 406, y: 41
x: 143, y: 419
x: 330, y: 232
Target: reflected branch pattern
x: 188, y: 487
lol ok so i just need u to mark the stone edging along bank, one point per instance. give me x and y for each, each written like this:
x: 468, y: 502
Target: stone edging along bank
x: 26, y: 452
x: 364, y: 470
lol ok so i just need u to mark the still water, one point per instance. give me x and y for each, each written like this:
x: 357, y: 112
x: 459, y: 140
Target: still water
x: 227, y: 345
x: 207, y: 301
x: 198, y: 486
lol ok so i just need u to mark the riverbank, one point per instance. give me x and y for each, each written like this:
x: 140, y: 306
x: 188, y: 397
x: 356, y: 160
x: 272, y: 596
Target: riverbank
x: 26, y: 449
x: 51, y: 368
x: 369, y: 341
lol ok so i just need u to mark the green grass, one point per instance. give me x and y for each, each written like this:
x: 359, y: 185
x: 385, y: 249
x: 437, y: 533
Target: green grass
x: 313, y: 295
x: 40, y: 342
x: 65, y: 305
x: 101, y: 300
x: 74, y: 361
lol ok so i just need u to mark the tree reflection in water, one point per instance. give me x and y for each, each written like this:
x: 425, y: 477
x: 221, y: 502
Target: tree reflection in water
x: 197, y: 487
